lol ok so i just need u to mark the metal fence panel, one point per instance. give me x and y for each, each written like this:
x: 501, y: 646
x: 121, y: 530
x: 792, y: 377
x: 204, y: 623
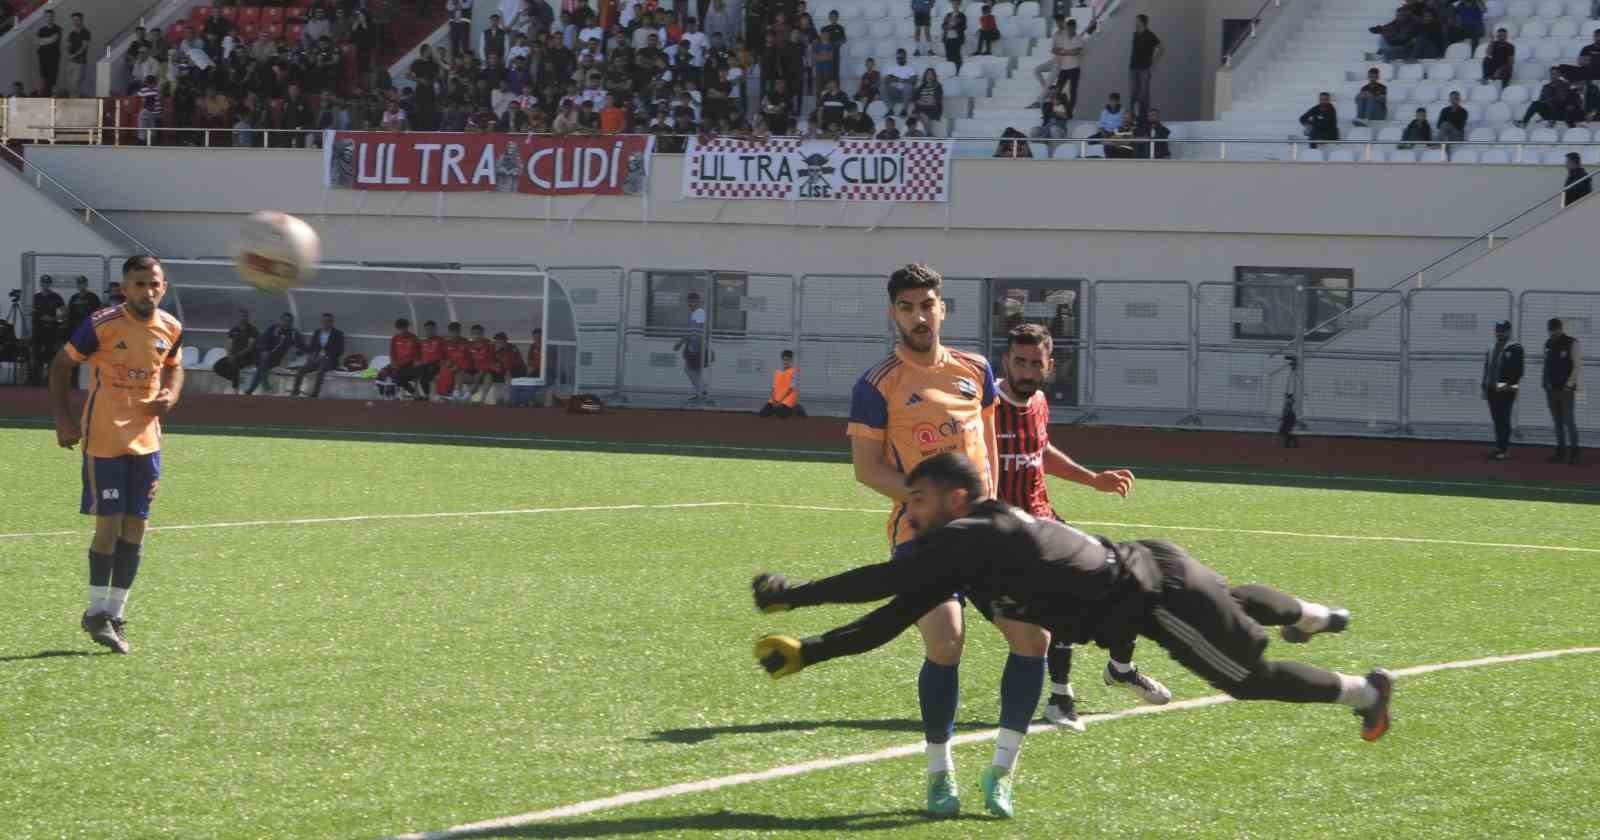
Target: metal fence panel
x: 1447, y: 332
x: 1145, y: 379
x: 652, y: 361
x: 1362, y: 391
x: 1450, y: 321
x: 744, y: 360
x: 596, y: 296
x: 1140, y: 346
x: 1245, y: 385
x: 1132, y: 312
x: 965, y: 300
x: 1446, y: 392
x: 829, y: 368
x: 1373, y: 325
x: 853, y: 305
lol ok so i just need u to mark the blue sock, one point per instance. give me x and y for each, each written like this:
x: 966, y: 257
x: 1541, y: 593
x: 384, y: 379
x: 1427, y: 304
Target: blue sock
x: 1020, y: 686
x: 939, y: 691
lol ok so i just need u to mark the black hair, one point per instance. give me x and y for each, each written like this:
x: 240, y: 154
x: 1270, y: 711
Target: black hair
x: 500, y: 336
x: 139, y: 262
x: 914, y: 276
x: 455, y: 326
x: 434, y: 324
x: 402, y: 324
x: 950, y: 471
x: 787, y: 354
x: 1030, y: 335
x: 1553, y: 324
x: 327, y: 314
x: 476, y: 328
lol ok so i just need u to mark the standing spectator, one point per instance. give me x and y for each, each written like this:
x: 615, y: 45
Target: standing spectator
x: 324, y: 349
x: 82, y: 304
x: 1321, y: 121
x: 719, y: 19
x: 317, y: 28
x: 954, y: 30
x: 1065, y: 67
x: 988, y: 31
x: 430, y: 355
x: 835, y: 29
x: 922, y: 20
x: 1502, y: 371
x: 1372, y: 101
x: 536, y: 354
x: 899, y: 84
x: 365, y: 37
x: 150, y: 106
x: 1453, y: 120
x: 1499, y: 59
x: 1561, y: 368
x: 1147, y: 50
x: 1418, y: 130
x: 785, y: 400
x: 460, y: 14
x: 825, y: 61
x: 271, y: 349
x: 405, y: 353
x: 47, y: 41
x: 78, y: 39
x: 929, y: 97
x: 474, y: 379
x: 1578, y: 184
x: 45, y: 338
x: 494, y: 38
x: 241, y: 351
x: 298, y: 117
x: 693, y: 349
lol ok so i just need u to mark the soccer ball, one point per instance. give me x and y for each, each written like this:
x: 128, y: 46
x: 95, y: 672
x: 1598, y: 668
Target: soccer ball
x: 277, y: 251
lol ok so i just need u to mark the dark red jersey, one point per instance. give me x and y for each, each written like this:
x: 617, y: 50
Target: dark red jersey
x: 508, y: 360
x: 403, y: 350
x: 455, y: 349
x: 432, y: 350
x: 1022, y: 432
x: 481, y: 350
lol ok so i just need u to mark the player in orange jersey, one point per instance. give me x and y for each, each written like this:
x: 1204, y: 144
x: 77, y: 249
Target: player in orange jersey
x: 135, y: 380
x: 923, y: 400
x: 1026, y: 456
x: 785, y: 400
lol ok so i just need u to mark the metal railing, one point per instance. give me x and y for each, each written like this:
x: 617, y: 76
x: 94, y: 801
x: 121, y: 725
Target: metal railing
x: 69, y: 200
x: 1255, y: 25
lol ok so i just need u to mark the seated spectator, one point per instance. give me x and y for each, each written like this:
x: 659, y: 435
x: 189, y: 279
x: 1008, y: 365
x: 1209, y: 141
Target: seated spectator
x: 913, y: 128
x: 1372, y: 101
x: 1469, y: 19
x: 928, y: 100
x: 1111, y: 117
x: 324, y: 350
x: 1013, y: 144
x: 507, y: 365
x: 775, y: 109
x: 988, y: 31
x: 871, y: 82
x: 1418, y: 130
x: 1428, y: 42
x: 1321, y: 121
x: 1058, y: 115
x: 1499, y: 59
x: 565, y: 122
x: 1119, y: 144
x: 1153, y: 128
x: 831, y: 105
x: 859, y: 124
x: 471, y: 381
x: 241, y: 351
x: 785, y: 399
x: 613, y: 118
x: 405, y: 354
x: 394, y: 119
x: 1395, y: 37
x: 899, y: 84
x: 271, y: 348
x: 890, y: 131
x: 1554, y: 103
x: 1453, y: 120
x: 429, y: 355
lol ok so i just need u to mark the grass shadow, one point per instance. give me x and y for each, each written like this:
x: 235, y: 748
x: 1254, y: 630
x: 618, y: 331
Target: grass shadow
x: 701, y: 734
x: 50, y: 654
x: 713, y: 822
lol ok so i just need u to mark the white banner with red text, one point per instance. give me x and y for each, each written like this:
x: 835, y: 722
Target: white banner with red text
x: 535, y: 164
x: 792, y: 169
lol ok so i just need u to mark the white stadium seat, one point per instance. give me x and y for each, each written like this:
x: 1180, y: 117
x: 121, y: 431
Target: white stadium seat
x: 1578, y: 9
x: 905, y: 28
x: 1029, y: 9
x: 189, y: 357
x: 1574, y: 47
x: 1481, y: 134
x: 1040, y: 150
x: 875, y: 10
x: 1495, y: 156
x: 1543, y: 136
x: 1498, y: 113
x: 1441, y: 72
x: 1550, y: 9
x: 1555, y: 158
x: 877, y: 110
x: 882, y: 29
x: 1400, y: 91
x: 1311, y: 155
x: 1434, y: 156
x: 1004, y: 10
x: 1359, y: 134
x: 1519, y: 9
x: 1342, y: 156
x: 1403, y: 156
x: 1484, y: 94
x: 1495, y: 9
x: 1547, y: 51
x: 1564, y: 28
x: 1464, y: 156
x: 1458, y: 51
x: 1410, y: 73
x: 1513, y: 135
x: 1425, y: 93
x: 1533, y: 30
x: 945, y: 69
x: 212, y: 356
x: 1575, y: 135
x: 1066, y: 151
x: 1391, y: 134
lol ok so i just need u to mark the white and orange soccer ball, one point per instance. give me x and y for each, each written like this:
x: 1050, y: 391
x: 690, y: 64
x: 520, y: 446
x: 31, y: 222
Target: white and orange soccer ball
x: 277, y: 251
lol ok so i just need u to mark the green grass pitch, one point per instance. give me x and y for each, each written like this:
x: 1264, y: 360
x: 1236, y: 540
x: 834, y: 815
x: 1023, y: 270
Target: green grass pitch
x: 370, y: 677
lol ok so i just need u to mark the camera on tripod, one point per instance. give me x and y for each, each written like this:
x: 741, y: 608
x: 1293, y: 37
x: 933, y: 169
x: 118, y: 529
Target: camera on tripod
x: 15, y: 295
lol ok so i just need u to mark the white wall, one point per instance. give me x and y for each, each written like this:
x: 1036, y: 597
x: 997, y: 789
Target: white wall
x: 19, y: 60
x: 1173, y: 220
x: 1178, y: 81
x: 35, y: 223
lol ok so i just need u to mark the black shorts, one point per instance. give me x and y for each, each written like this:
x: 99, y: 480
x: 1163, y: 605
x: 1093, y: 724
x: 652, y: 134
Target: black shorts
x: 1198, y: 622
x: 922, y: 18
x: 497, y: 378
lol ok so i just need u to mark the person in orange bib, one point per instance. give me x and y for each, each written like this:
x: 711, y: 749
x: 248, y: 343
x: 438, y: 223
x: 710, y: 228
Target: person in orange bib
x: 134, y: 381
x: 785, y: 400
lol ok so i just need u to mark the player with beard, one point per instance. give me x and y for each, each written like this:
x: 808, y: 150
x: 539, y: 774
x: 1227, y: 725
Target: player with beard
x: 924, y: 400
x: 1026, y: 456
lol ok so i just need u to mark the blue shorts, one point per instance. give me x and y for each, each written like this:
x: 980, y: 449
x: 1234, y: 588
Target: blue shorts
x: 125, y: 485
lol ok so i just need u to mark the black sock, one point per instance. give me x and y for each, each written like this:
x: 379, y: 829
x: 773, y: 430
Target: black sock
x: 1268, y: 606
x: 1059, y: 662
x: 126, y: 565
x: 99, y: 568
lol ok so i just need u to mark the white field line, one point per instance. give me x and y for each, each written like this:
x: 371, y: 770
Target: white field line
x: 706, y: 785
x: 378, y: 517
x: 1157, y: 529
x: 841, y: 453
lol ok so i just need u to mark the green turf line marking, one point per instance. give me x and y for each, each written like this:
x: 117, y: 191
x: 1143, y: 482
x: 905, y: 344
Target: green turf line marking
x: 706, y: 785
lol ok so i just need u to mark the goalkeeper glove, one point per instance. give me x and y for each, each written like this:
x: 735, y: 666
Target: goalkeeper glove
x: 780, y: 655
x: 769, y: 589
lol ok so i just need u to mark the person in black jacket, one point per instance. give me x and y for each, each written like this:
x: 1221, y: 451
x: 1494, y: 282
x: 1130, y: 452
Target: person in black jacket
x: 45, y: 333
x: 1082, y: 588
x: 298, y: 116
x: 241, y: 349
x: 1321, y: 120
x: 1418, y: 130
x: 83, y: 304
x: 271, y: 349
x: 1502, y: 371
x: 1578, y: 184
x: 1498, y: 59
x: 1561, y: 368
x: 324, y: 350
x: 1453, y: 120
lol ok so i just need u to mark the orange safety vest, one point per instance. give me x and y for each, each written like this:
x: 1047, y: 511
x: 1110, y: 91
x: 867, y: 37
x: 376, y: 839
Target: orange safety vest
x: 781, y: 382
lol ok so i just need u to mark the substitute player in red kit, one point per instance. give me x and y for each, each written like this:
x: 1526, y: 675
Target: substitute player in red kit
x: 404, y: 351
x: 480, y: 359
x: 507, y: 365
x: 430, y: 355
x: 135, y: 379
x: 456, y: 360
x: 1022, y: 434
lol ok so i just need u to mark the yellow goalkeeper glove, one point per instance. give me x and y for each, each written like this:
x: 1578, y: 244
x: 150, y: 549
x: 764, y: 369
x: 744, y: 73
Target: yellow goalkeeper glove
x: 780, y: 655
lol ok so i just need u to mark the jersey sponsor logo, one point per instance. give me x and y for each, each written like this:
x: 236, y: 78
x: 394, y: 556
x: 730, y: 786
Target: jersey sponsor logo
x: 121, y: 345
x: 161, y: 345
x: 928, y: 435
x: 967, y: 387
x: 1022, y: 461
x: 110, y: 494
x: 915, y: 398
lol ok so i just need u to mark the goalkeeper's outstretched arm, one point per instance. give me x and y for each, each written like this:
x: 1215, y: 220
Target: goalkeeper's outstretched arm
x: 784, y: 655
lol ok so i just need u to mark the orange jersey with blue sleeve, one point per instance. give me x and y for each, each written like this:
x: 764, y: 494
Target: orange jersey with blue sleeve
x: 125, y: 357
x: 919, y: 411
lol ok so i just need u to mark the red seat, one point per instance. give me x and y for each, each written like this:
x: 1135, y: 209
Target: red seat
x: 175, y: 33
x: 230, y: 14
x: 350, y: 63
x: 273, y: 30
x: 275, y: 109
x: 199, y: 15
x: 272, y: 14
x: 248, y: 31
x: 293, y: 32
x: 249, y: 16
